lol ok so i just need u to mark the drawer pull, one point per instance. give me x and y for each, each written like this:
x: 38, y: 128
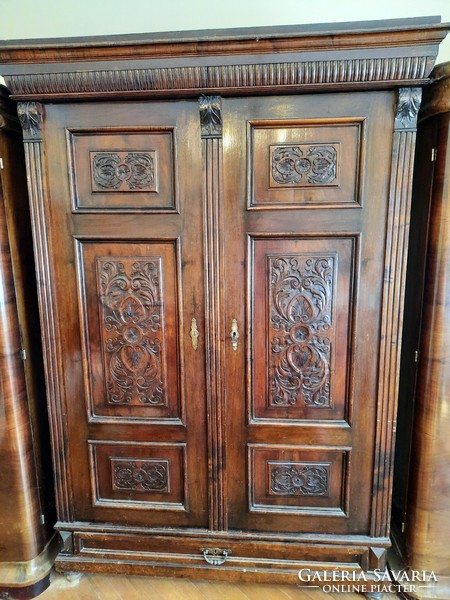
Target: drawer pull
x: 215, y: 556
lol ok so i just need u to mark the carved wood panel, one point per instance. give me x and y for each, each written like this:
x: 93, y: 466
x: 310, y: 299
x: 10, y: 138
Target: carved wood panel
x: 132, y: 327
x: 130, y: 171
x: 123, y: 171
x: 302, y: 329
x: 305, y: 163
x: 139, y: 475
x: 129, y: 301
x: 298, y: 479
x: 305, y: 325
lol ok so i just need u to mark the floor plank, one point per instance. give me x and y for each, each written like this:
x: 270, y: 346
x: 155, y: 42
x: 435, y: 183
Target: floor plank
x: 119, y: 587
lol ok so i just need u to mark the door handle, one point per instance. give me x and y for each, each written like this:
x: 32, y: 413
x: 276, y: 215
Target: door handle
x: 234, y: 334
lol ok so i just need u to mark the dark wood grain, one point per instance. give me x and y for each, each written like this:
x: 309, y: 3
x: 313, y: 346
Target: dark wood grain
x: 260, y: 434
x: 428, y: 510
x: 25, y: 487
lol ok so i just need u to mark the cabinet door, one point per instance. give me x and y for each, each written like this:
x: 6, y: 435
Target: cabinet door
x: 125, y: 219
x: 305, y: 205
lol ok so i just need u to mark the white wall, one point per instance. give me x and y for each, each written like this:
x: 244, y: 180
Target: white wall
x: 60, y: 18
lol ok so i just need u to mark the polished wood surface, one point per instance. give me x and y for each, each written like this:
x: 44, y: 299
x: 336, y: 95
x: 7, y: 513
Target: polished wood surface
x: 25, y: 487
x: 428, y: 515
x: 289, y: 59
x: 106, y: 587
x: 221, y: 299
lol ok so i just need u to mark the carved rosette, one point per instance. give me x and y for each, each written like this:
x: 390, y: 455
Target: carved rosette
x: 140, y: 475
x: 408, y: 105
x: 131, y: 307
x: 123, y: 171
x: 30, y: 115
x: 293, y: 479
x: 301, y: 296
x: 210, y: 116
x: 304, y: 165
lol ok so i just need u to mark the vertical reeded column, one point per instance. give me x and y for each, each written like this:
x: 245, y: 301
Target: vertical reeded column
x: 404, y: 138
x: 211, y: 131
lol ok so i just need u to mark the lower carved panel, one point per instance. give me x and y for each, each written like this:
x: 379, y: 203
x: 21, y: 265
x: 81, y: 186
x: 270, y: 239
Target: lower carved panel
x: 298, y: 479
x: 290, y: 479
x: 140, y: 476
x: 132, y: 475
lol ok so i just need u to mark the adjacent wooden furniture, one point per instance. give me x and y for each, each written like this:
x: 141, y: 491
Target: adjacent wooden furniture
x: 222, y: 256
x: 26, y: 516
x: 426, y: 523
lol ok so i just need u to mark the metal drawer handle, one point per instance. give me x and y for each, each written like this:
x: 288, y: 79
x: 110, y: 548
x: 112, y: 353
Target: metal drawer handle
x: 215, y: 556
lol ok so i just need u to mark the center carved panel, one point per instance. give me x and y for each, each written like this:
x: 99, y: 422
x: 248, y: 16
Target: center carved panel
x: 301, y: 330
x: 132, y: 328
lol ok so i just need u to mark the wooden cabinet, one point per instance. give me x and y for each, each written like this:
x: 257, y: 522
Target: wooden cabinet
x: 28, y: 545
x: 421, y: 530
x: 222, y: 253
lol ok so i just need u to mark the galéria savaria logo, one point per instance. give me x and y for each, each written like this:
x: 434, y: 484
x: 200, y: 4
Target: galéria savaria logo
x: 379, y: 581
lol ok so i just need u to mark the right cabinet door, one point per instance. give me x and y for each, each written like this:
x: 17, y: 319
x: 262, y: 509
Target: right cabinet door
x: 306, y: 183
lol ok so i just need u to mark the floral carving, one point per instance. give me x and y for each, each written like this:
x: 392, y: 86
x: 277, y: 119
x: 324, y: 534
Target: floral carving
x: 290, y: 479
x: 122, y: 171
x: 409, y: 100
x: 211, y: 116
x: 131, y: 308
x: 140, y: 475
x: 304, y: 165
x: 301, y: 294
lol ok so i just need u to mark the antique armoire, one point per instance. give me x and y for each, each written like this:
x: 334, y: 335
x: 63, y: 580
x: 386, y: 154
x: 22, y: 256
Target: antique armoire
x: 221, y: 228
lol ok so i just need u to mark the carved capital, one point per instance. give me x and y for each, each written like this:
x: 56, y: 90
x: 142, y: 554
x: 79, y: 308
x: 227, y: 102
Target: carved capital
x: 407, y: 108
x: 30, y: 116
x: 211, y: 116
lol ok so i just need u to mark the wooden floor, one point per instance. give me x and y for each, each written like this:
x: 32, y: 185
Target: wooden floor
x: 117, y: 587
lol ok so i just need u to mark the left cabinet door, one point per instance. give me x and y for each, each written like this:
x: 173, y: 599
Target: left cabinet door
x: 123, y: 210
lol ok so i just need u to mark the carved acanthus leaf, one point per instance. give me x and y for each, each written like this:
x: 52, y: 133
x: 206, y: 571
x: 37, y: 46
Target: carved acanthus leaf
x: 30, y: 116
x: 407, y: 108
x: 211, y: 116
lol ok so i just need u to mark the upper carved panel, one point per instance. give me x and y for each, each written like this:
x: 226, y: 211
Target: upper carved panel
x: 301, y: 329
x: 123, y: 171
x: 132, y: 330
x: 304, y: 165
